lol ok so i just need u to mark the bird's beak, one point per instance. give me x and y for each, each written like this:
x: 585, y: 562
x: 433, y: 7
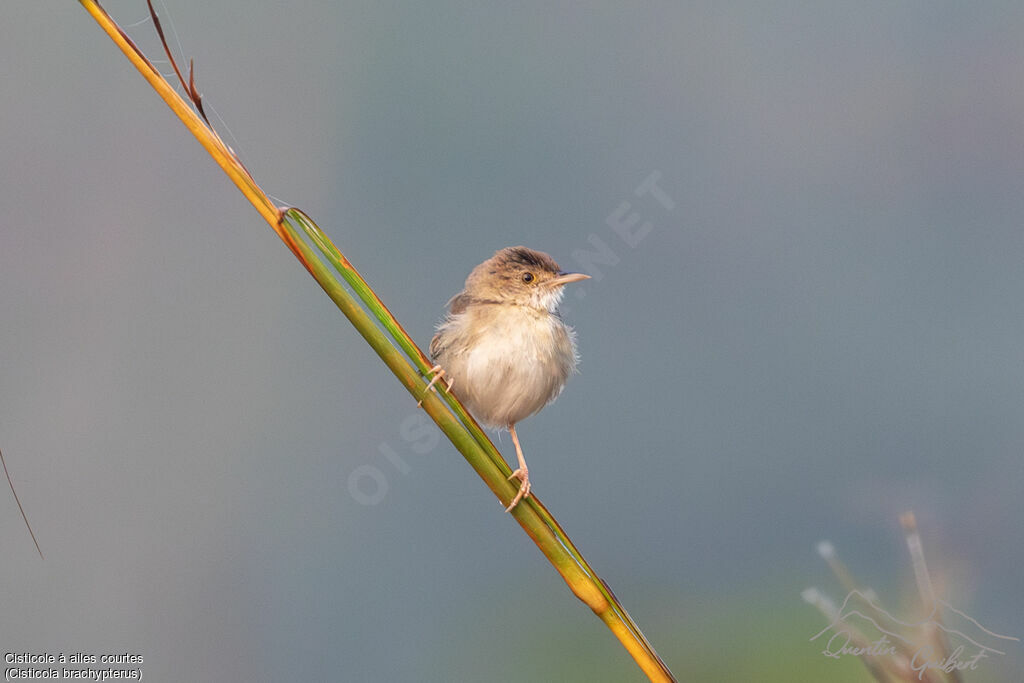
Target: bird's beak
x: 566, y: 278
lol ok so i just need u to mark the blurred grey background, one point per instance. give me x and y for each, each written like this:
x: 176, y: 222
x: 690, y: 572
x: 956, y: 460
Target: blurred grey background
x: 819, y: 329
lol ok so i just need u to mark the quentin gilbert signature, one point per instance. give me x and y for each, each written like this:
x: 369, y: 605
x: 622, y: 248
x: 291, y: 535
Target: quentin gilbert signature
x: 918, y: 653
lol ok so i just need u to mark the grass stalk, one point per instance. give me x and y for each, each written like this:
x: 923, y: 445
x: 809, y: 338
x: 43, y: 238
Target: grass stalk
x: 403, y: 357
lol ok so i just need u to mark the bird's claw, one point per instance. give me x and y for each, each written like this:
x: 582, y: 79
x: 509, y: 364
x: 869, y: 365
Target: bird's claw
x: 523, y: 475
x: 438, y: 373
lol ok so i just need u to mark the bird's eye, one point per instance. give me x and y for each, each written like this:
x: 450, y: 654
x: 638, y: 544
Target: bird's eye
x: 527, y: 278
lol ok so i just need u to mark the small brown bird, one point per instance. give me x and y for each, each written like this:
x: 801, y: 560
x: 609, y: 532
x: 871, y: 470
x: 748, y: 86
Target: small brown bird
x: 504, y: 345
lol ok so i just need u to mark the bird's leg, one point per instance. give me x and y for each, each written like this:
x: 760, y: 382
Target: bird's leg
x: 439, y: 374
x: 522, y: 474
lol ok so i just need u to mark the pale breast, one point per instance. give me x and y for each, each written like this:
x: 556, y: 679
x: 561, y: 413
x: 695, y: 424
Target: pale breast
x: 507, y: 362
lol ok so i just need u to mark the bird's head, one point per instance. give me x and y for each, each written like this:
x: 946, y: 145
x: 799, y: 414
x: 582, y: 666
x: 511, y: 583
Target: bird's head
x: 520, y: 276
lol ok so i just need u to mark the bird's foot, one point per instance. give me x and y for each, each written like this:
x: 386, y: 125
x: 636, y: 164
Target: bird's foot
x: 438, y: 373
x: 523, y: 475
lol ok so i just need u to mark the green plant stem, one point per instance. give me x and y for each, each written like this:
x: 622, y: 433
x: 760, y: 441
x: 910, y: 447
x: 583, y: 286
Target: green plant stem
x: 407, y: 362
x: 540, y: 525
